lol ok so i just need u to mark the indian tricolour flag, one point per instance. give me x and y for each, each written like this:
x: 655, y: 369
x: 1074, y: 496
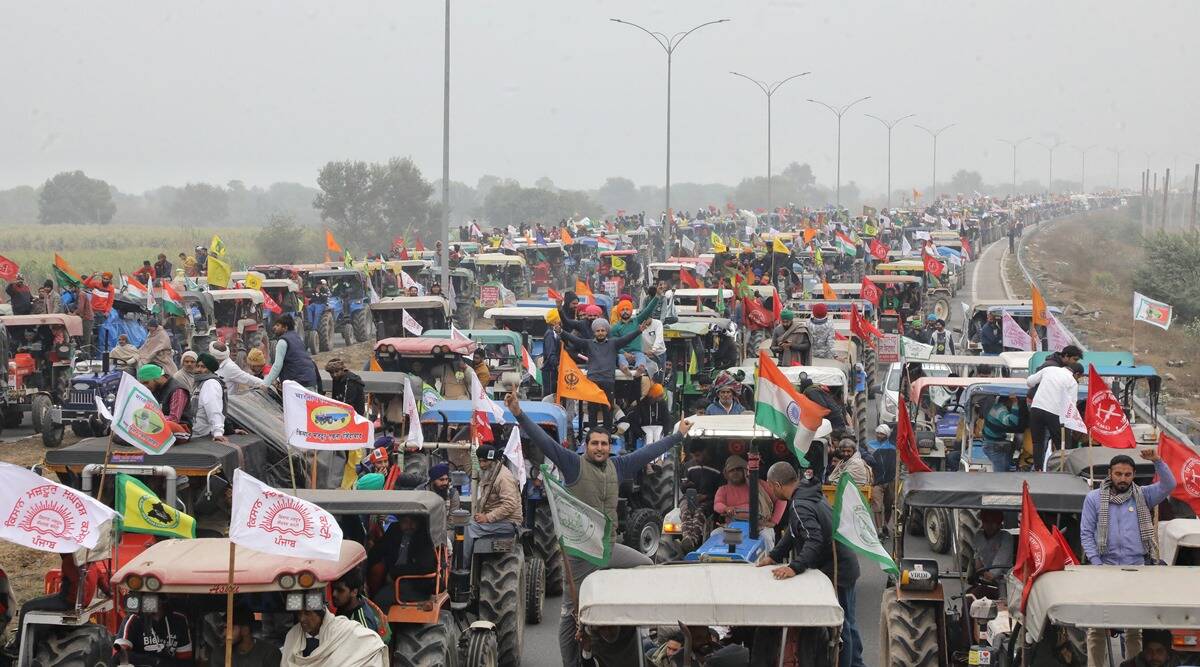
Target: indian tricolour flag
x: 783, y: 411
x: 67, y: 276
x: 171, y: 303
x: 134, y: 289
x: 530, y: 366
x: 844, y: 244
x: 854, y: 525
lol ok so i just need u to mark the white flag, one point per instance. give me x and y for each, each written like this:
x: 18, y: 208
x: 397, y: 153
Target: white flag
x: 273, y: 522
x: 687, y: 244
x: 1149, y: 310
x: 407, y: 281
x: 480, y: 402
x: 415, y: 435
x: 914, y: 350
x: 1014, y: 335
x: 854, y: 525
x: 507, y: 296
x: 138, y: 419
x: 410, y: 323
x: 452, y: 296
x: 455, y: 334
x: 516, y: 457
x: 46, y: 515
x: 1057, y: 336
x: 313, y: 421
x: 1073, y: 420
x: 905, y: 246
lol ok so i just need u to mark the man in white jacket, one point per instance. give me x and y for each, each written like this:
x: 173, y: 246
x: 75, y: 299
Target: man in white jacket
x: 236, y: 379
x: 322, y: 639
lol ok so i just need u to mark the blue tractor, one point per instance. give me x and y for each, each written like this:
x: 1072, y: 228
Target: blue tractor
x: 92, y: 379
x: 338, y: 301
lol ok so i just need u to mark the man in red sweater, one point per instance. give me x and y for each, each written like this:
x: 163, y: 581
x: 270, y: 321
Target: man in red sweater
x: 732, y: 501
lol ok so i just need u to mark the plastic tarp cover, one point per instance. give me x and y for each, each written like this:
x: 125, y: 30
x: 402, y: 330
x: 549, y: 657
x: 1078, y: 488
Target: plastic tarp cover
x: 115, y: 325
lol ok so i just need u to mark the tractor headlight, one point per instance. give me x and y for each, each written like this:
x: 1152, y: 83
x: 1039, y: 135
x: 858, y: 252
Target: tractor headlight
x: 150, y: 604
x: 153, y: 584
x: 132, y: 603
x: 294, y: 601
x: 286, y: 580
x: 314, y: 600
x: 110, y: 397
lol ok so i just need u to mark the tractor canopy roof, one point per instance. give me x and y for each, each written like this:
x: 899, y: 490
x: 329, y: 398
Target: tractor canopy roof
x: 481, y: 336
x: 707, y: 594
x: 1078, y: 461
x: 1051, y: 492
x: 406, y: 503
x: 951, y: 383
x: 518, y: 312
x: 1177, y: 534
x: 1112, y: 597
x: 892, y: 279
x: 740, y: 427
x: 237, y: 295
x: 821, y: 375
x: 498, y: 259
x: 286, y: 283
x: 1097, y: 359
x: 71, y: 323
x: 387, y: 382
x: 426, y: 346
x: 430, y: 301
x: 460, y: 411
x: 356, y: 274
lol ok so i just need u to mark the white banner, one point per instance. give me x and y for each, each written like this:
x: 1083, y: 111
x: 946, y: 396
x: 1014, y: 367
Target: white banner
x: 914, y: 350
x: 48, y: 516
x: 516, y: 457
x: 407, y: 281
x: 854, y: 526
x: 273, y: 522
x: 1014, y: 335
x: 138, y: 419
x: 415, y: 435
x: 312, y: 421
x: 1056, y: 334
x: 410, y: 323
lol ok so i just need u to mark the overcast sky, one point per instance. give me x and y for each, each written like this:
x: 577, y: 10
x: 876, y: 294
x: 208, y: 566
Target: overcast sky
x: 150, y: 92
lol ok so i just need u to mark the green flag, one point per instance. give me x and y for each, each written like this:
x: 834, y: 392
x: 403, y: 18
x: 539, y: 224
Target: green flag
x: 854, y: 525
x: 583, y: 531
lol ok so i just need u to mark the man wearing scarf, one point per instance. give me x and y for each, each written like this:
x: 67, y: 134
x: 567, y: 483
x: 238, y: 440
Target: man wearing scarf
x: 1117, y: 528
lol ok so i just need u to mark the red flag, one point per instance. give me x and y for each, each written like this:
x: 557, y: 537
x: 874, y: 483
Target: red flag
x: 483, y: 430
x: 8, y: 269
x: 906, y: 441
x: 860, y: 327
x: 688, y: 279
x: 403, y: 253
x: 932, y: 265
x: 270, y: 304
x: 553, y: 294
x: 966, y: 247
x: 420, y: 247
x: 1184, y: 463
x: 1066, y: 549
x: 1038, y: 551
x: 878, y: 250
x: 777, y: 308
x: 756, y: 316
x: 869, y: 291
x: 1105, y: 418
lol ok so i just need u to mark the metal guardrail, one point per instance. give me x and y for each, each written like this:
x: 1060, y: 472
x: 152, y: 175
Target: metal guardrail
x: 1140, y: 406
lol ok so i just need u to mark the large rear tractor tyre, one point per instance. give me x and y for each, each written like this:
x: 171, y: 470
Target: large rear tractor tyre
x: 941, y: 308
x: 860, y: 416
x: 908, y: 632
x: 870, y: 366
x: 967, y: 526
x: 535, y: 589
x: 312, y: 342
x: 916, y: 523
x: 361, y: 322
x: 481, y: 649
x: 416, y: 463
x: 937, y: 529
x: 658, y: 489
x: 426, y: 645
x: 325, y: 332
x: 643, y: 530
x: 39, y: 412
x: 545, y: 547
x: 84, y: 646
x: 502, y: 602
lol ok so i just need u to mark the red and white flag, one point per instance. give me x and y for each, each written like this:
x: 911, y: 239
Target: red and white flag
x: 878, y: 250
x: 1184, y: 463
x: 1038, y: 551
x: 906, y: 441
x: 270, y: 304
x: 1057, y: 336
x: 869, y: 291
x: 272, y: 522
x: 314, y: 421
x: 486, y: 411
x: 932, y: 265
x: 46, y: 515
x: 8, y: 269
x: 1104, y: 416
x: 1014, y: 336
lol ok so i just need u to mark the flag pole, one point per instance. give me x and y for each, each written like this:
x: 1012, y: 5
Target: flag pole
x: 104, y: 468
x: 229, y: 607
x: 312, y: 483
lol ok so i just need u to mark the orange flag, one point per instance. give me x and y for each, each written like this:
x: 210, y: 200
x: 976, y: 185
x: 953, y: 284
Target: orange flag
x: 565, y: 236
x: 572, y: 383
x: 1039, y: 308
x: 828, y: 292
x: 809, y: 235
x: 582, y: 290
x: 330, y: 243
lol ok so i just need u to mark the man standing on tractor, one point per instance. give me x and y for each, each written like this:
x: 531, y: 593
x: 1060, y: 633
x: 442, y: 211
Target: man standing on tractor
x: 19, y: 296
x: 791, y: 340
x: 499, y: 510
x: 102, y: 292
x: 291, y: 360
x: 163, y: 634
x: 348, y: 387
x: 170, y: 394
x: 593, y: 478
x: 602, y: 355
x: 234, y: 377
x: 208, y: 401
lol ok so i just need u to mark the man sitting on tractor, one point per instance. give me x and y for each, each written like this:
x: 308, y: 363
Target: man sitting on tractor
x: 499, y: 500
x: 350, y: 600
x: 247, y: 651
x: 321, y: 639
x: 994, y: 549
x: 732, y: 502
x: 163, y: 634
x: 404, y: 550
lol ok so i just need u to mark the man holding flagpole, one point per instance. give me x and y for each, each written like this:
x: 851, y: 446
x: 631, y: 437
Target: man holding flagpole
x: 594, y: 480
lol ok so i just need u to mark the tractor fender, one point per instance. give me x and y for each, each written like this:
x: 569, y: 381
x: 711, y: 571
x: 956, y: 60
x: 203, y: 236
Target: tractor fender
x: 486, y: 626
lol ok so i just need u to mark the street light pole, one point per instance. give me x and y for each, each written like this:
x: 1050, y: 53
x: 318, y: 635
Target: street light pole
x: 839, y: 112
x: 1014, y: 145
x: 889, y: 126
x: 934, y: 135
x: 1050, y: 178
x: 445, y: 258
x: 769, y: 90
x: 668, y: 44
x: 1083, y: 167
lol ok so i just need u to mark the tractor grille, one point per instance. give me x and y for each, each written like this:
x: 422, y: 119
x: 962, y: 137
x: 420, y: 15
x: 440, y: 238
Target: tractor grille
x: 81, y: 397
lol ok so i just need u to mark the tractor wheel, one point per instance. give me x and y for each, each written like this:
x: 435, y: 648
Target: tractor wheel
x: 481, y: 649
x: 502, y: 602
x: 908, y: 632
x: 658, y: 488
x: 937, y: 529
x: 347, y: 332
x: 426, y: 645
x: 642, y: 531
x: 99, y: 427
x: 545, y: 547
x: 361, y: 322
x: 82, y: 429
x: 52, y: 435
x: 967, y: 526
x: 535, y: 589
x: 325, y: 331
x: 871, y: 366
x: 416, y: 463
x: 860, y: 416
x: 39, y: 412
x: 13, y: 417
x: 916, y: 523
x: 84, y: 646
x: 311, y: 341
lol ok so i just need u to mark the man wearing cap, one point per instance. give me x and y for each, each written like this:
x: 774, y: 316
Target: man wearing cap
x: 157, y: 349
x: 725, y: 403
x: 171, y: 395
x: 791, y: 340
x: 291, y: 361
x: 601, y: 352
x: 348, y: 387
x: 19, y: 296
x: 594, y: 478
x: 499, y: 499
x: 102, y: 292
x: 629, y: 322
x: 880, y: 454
x: 230, y: 373
x: 732, y: 500
x: 820, y: 331
x: 208, y: 400
x: 185, y: 376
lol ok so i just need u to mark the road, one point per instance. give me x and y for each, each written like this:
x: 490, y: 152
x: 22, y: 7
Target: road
x: 984, y: 281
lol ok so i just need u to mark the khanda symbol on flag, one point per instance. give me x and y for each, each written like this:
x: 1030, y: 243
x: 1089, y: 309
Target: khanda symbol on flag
x: 143, y: 512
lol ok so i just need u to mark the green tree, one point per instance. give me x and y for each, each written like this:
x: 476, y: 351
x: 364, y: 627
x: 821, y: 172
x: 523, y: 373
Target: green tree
x: 617, y: 193
x: 511, y: 204
x: 73, y: 198
x: 200, y: 204
x: 368, y: 204
x: 282, y: 240
x: 1170, y: 272
x: 966, y: 182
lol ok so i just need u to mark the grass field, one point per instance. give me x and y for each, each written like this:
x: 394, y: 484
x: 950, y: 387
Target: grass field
x: 114, y: 248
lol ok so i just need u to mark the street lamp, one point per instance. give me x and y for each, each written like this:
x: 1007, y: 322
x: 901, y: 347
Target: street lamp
x: 839, y: 113
x: 769, y: 90
x: 934, y: 135
x: 1083, y: 167
x: 889, y: 126
x: 445, y: 258
x: 1050, y: 178
x: 1014, y: 145
x: 668, y: 44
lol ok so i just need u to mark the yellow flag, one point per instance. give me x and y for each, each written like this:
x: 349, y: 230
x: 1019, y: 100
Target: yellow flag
x: 143, y: 512
x: 693, y: 366
x: 717, y: 244
x: 252, y: 281
x: 217, y: 247
x: 778, y: 246
x: 618, y: 264
x: 572, y: 383
x: 817, y: 258
x: 218, y: 272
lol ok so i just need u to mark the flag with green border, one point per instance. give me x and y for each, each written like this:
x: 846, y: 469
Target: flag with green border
x: 583, y: 531
x: 142, y: 511
x: 854, y: 525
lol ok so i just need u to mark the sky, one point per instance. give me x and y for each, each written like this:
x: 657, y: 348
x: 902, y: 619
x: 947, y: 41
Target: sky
x: 145, y: 93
